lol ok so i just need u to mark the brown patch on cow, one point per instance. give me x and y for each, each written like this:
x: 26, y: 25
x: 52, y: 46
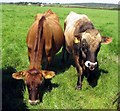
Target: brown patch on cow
x: 85, y: 26
x: 82, y: 26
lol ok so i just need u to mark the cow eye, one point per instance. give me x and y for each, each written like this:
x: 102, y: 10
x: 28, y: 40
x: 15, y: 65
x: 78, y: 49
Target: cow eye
x: 83, y: 45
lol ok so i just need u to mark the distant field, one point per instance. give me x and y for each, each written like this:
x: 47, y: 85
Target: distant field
x: 16, y: 21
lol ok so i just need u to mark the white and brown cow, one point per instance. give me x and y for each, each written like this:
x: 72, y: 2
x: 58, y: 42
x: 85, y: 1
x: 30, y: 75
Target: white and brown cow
x: 83, y: 40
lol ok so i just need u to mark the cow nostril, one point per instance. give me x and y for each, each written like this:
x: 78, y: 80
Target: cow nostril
x: 92, y: 67
x: 88, y: 64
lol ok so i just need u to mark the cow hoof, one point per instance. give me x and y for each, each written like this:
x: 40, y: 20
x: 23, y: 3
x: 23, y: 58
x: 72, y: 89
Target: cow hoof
x: 78, y: 87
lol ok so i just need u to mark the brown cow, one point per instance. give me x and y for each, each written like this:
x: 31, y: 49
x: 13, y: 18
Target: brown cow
x: 83, y: 40
x: 45, y: 38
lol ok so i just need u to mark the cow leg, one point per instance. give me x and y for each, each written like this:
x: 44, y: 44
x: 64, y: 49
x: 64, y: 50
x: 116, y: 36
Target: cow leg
x: 48, y: 83
x: 64, y: 52
x: 48, y: 62
x: 79, y: 71
x: 63, y: 55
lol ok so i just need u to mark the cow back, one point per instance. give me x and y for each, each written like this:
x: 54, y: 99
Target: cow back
x: 72, y: 24
x: 52, y: 37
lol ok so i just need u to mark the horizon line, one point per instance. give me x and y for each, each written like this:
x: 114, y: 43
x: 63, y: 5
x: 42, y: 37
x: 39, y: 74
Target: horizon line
x: 56, y: 2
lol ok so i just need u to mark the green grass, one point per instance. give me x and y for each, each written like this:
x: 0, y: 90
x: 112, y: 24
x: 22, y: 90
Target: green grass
x: 16, y: 21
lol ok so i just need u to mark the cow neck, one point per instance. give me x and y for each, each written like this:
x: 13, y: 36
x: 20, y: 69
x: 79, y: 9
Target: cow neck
x: 38, y: 45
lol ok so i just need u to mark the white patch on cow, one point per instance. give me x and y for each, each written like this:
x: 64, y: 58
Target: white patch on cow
x: 73, y: 17
x: 98, y: 35
x: 88, y: 63
x: 86, y: 35
x: 33, y: 102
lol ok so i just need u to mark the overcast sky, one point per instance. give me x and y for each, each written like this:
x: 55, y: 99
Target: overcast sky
x: 65, y: 1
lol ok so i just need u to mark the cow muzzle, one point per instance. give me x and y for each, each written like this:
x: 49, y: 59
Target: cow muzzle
x: 33, y: 102
x: 91, y: 65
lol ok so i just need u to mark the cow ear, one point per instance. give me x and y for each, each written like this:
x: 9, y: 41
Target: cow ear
x: 19, y: 75
x: 106, y: 40
x: 48, y: 74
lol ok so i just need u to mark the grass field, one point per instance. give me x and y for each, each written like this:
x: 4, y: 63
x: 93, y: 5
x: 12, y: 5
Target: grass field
x: 16, y: 21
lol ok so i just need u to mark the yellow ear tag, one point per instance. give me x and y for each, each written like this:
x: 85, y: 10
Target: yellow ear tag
x: 50, y: 75
x: 76, y: 40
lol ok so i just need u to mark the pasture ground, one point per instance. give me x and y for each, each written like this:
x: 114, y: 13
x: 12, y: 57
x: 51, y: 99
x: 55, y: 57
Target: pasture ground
x: 16, y: 21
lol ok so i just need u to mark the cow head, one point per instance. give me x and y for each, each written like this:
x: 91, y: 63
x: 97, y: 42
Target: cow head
x: 33, y: 79
x: 90, y: 42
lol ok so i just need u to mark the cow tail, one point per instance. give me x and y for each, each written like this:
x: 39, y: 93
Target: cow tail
x: 39, y: 43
